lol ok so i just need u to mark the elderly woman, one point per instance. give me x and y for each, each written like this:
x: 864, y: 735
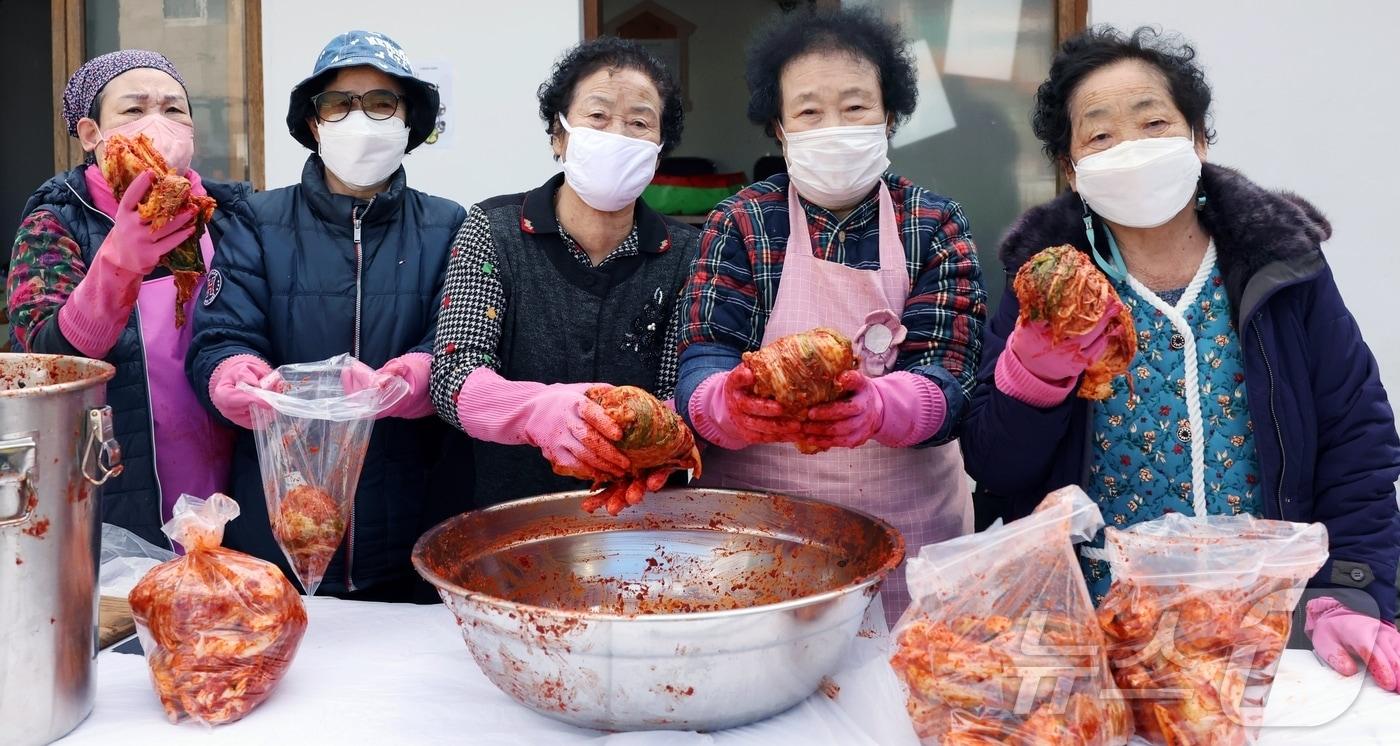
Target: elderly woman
x: 84, y: 280
x: 1249, y: 365
x: 349, y: 260
x: 838, y: 242
x: 570, y: 285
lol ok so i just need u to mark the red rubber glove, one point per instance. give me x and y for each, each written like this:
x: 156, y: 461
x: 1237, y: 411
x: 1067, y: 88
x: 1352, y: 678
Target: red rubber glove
x: 414, y: 368
x: 1042, y: 373
x: 96, y: 312
x: 233, y: 402
x: 1340, y: 636
x: 898, y: 410
x: 571, y: 430
x: 725, y: 412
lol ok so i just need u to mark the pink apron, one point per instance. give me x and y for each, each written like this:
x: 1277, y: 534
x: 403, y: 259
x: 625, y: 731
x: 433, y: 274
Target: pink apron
x: 192, y: 451
x: 923, y: 492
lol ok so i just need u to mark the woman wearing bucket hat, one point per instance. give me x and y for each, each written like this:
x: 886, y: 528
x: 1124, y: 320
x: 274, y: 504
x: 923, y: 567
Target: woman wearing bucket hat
x: 348, y: 260
x: 84, y: 280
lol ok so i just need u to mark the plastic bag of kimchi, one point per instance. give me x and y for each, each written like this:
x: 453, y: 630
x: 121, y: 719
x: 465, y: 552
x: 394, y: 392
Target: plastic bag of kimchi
x: 1198, y: 616
x: 311, y: 445
x: 1000, y: 644
x: 219, y: 627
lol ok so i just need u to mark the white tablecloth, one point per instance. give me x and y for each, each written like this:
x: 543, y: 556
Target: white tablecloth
x: 390, y: 674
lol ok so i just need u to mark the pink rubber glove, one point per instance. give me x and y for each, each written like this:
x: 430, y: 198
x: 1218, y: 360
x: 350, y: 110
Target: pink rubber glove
x: 1338, y: 633
x: 413, y: 368
x: 97, y: 310
x: 233, y: 402
x: 1042, y: 373
x: 571, y: 431
x: 898, y: 410
x: 726, y: 413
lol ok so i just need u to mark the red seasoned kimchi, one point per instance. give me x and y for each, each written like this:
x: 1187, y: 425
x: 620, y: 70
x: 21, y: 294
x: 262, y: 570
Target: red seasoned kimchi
x: 1198, y: 616
x: 654, y: 439
x: 801, y: 370
x: 1001, y: 644
x: 1061, y: 286
x: 309, y: 525
x: 219, y: 627
x: 170, y: 195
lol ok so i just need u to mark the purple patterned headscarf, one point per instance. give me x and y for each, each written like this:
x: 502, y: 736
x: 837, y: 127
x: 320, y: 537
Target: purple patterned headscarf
x: 96, y: 73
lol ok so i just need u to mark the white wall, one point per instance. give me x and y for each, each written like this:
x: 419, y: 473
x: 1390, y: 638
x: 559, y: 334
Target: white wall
x: 1305, y: 100
x: 499, y: 53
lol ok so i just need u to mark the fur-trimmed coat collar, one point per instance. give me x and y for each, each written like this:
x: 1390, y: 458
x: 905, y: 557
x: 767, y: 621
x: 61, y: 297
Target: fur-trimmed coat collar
x: 1253, y: 228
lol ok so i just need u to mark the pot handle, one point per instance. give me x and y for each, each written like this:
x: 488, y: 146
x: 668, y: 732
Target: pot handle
x: 16, y: 471
x: 100, y: 440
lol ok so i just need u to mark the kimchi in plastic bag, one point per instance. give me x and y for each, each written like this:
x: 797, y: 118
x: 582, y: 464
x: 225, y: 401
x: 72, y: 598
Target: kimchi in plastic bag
x: 219, y: 628
x: 1198, y: 616
x: 311, y: 446
x: 1001, y: 644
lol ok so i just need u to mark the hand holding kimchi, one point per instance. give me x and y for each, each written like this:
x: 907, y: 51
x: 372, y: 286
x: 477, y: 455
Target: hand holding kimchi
x: 1061, y: 287
x: 802, y: 370
x: 219, y: 627
x: 654, y: 439
x: 170, y: 195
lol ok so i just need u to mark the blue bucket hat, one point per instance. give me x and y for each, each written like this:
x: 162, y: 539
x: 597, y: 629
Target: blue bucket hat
x: 352, y: 49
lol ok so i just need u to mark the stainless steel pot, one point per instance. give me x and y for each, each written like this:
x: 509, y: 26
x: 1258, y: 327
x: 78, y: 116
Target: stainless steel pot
x: 55, y: 445
x: 699, y: 609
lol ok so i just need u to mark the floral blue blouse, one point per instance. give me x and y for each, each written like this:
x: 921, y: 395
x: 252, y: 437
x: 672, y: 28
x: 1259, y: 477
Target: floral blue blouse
x: 1145, y: 440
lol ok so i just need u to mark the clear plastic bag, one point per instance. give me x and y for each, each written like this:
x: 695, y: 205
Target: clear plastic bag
x: 1198, y: 616
x: 219, y: 628
x: 311, y: 446
x: 1000, y: 644
x: 126, y: 558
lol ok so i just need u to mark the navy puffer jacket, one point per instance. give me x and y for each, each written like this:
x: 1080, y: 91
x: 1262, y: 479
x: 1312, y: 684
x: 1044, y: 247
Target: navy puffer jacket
x: 132, y: 499
x: 1324, y: 431
x: 292, y: 296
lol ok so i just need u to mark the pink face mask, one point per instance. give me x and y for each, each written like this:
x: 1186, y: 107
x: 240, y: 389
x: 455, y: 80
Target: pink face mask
x: 174, y: 140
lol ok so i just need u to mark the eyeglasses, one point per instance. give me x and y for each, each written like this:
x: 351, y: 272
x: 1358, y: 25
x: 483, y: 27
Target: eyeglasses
x: 333, y: 106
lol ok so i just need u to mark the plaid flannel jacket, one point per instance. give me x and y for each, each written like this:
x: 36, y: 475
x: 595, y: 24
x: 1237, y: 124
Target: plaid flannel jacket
x: 735, y: 280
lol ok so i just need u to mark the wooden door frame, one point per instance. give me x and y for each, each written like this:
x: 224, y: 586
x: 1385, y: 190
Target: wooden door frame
x: 1071, y: 17
x: 70, y: 52
x: 592, y: 18
x: 253, y: 81
x: 67, y: 56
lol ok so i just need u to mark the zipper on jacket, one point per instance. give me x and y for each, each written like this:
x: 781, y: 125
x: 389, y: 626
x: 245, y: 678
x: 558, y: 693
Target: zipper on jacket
x: 356, y: 216
x: 1273, y: 415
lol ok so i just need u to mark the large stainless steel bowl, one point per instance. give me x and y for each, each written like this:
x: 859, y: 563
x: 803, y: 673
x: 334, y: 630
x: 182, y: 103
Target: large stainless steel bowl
x: 700, y: 609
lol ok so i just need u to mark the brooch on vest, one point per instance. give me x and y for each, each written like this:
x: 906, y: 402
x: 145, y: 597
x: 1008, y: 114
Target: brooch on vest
x: 644, y: 336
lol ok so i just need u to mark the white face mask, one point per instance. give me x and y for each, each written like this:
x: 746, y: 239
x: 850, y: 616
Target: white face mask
x: 363, y: 152
x: 1140, y: 183
x: 835, y: 166
x: 608, y: 171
